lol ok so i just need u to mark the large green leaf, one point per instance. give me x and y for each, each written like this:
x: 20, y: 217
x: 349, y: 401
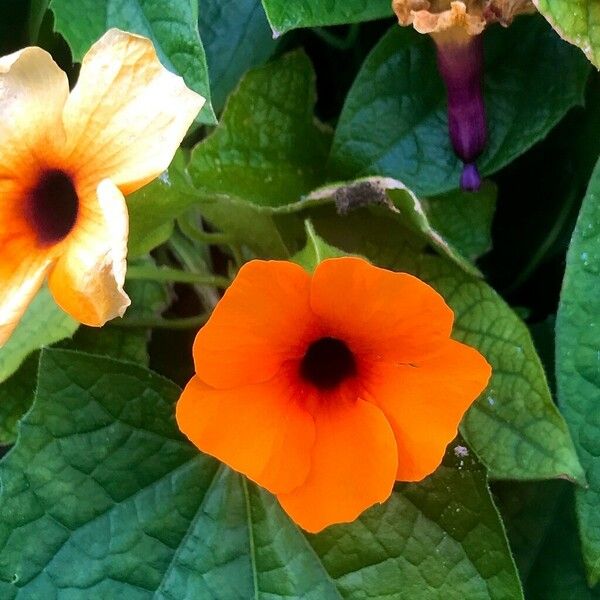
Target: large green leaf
x: 16, y: 397
x: 577, y: 363
x: 263, y: 157
x: 103, y: 497
x: 171, y: 24
x: 394, y: 121
x: 284, y: 15
x: 42, y: 324
x: 464, y: 219
x: 514, y: 427
x: 577, y: 21
x: 542, y: 530
x: 268, y: 148
x: 236, y: 37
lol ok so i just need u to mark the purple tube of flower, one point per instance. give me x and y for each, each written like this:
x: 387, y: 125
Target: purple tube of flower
x: 461, y: 67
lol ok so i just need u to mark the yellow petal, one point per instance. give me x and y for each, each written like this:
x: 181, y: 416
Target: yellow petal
x: 33, y: 92
x: 127, y: 114
x: 87, y: 281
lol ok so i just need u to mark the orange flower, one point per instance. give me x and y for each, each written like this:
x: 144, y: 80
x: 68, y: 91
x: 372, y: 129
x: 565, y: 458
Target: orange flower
x: 66, y: 159
x: 327, y: 389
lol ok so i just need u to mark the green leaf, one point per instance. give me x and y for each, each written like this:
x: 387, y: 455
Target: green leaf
x: 42, y: 324
x: 284, y: 15
x: 268, y: 149
x: 262, y: 159
x: 514, y: 427
x: 464, y: 219
x: 37, y: 11
x: 577, y: 21
x: 541, y: 525
x: 315, y: 251
x: 120, y: 505
x: 394, y: 122
x: 172, y: 25
x: 236, y: 38
x: 16, y: 397
x: 404, y: 206
x: 153, y: 208
x: 577, y: 360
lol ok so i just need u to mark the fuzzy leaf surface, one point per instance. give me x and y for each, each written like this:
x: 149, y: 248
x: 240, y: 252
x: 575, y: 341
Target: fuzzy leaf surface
x: 102, y: 496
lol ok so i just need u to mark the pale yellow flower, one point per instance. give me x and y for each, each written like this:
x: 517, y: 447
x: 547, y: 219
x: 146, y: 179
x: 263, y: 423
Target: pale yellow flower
x: 66, y: 161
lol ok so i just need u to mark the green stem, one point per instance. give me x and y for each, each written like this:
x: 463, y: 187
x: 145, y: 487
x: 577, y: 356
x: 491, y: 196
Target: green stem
x: 151, y: 273
x: 199, y: 235
x: 158, y: 323
x: 344, y: 43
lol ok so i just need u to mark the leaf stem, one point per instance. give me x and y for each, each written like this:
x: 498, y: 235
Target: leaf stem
x: 151, y: 273
x: 159, y: 323
x: 199, y: 235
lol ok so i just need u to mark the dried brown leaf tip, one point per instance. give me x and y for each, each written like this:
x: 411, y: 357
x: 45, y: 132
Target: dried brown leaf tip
x: 455, y: 27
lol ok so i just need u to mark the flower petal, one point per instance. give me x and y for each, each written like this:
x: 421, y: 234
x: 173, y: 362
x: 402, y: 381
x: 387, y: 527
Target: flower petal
x: 87, y: 281
x: 127, y: 114
x: 425, y: 403
x: 33, y: 92
x: 258, y: 430
x: 263, y: 320
x: 378, y: 312
x: 353, y: 467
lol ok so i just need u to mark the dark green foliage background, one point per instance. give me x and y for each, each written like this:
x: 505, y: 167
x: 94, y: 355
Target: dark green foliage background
x: 314, y: 106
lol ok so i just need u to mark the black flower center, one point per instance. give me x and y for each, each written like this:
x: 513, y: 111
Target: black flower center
x: 327, y: 362
x: 51, y: 206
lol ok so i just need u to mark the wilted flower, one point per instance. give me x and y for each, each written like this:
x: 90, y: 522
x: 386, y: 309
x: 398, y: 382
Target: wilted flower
x: 456, y: 27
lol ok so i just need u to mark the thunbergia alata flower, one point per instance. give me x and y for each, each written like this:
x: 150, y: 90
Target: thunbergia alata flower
x: 67, y: 159
x: 327, y: 388
x: 456, y: 28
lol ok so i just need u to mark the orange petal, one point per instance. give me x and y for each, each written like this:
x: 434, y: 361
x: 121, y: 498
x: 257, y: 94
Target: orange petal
x: 258, y: 430
x: 354, y: 461
x: 127, y: 114
x: 263, y: 320
x: 33, y: 92
x: 426, y: 402
x: 87, y: 281
x: 378, y: 312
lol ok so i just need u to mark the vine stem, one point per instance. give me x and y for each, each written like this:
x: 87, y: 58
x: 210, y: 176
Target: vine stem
x: 151, y: 273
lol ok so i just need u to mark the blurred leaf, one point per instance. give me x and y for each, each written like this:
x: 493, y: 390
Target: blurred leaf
x: 578, y: 364
x: 172, y: 25
x: 42, y: 324
x: 514, y: 427
x: 103, y: 497
x: 577, y: 21
x: 394, y: 122
x: 37, y: 10
x: 284, y: 15
x: 542, y: 524
x: 236, y: 37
